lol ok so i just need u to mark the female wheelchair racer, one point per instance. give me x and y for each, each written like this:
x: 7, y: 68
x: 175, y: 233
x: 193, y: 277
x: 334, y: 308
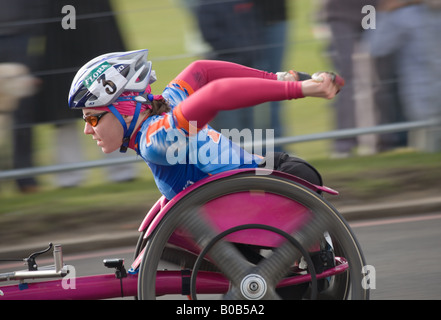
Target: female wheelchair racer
x: 120, y: 111
x: 114, y: 92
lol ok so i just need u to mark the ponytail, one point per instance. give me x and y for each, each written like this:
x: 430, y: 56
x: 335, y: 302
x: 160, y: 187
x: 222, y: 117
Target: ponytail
x: 160, y: 106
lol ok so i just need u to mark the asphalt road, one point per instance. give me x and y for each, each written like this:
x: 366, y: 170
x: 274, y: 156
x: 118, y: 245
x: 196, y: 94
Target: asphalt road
x: 404, y: 252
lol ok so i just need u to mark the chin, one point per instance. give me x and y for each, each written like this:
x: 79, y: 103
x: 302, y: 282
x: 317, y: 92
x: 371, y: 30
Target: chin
x: 109, y: 150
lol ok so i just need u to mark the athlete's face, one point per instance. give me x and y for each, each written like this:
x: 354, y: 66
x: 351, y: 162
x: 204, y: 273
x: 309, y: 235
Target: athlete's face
x: 108, y: 132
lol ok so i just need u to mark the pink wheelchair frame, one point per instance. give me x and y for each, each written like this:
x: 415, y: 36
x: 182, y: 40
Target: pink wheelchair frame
x: 255, y: 218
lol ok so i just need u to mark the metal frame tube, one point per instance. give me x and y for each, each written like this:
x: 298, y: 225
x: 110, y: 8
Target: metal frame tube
x: 108, y: 286
x: 84, y: 288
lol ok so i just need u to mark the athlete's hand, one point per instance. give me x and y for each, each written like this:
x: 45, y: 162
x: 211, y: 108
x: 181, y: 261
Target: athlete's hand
x: 322, y: 85
x: 292, y: 76
x: 287, y: 76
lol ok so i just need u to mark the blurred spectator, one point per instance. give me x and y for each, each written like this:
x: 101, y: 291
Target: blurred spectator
x: 388, y: 105
x: 433, y: 42
x: 344, y: 18
x: 251, y: 33
x: 409, y: 31
x: 31, y: 33
x: 96, y: 33
x: 272, y: 15
x: 65, y: 50
x: 19, y: 43
x: 231, y: 28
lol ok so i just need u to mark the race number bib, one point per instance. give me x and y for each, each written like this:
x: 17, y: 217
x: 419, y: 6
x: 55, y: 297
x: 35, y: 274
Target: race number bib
x: 104, y: 82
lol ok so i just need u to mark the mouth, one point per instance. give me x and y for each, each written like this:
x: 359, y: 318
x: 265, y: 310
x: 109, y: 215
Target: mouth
x: 98, y: 141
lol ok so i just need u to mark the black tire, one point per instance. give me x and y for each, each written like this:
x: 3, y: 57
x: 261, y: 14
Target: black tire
x: 230, y: 261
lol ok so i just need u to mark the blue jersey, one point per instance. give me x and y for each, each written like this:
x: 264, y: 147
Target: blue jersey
x: 179, y: 158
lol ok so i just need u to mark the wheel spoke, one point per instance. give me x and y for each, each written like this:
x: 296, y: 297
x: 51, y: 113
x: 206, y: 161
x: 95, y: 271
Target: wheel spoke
x: 230, y: 261
x: 277, y: 265
x: 223, y: 253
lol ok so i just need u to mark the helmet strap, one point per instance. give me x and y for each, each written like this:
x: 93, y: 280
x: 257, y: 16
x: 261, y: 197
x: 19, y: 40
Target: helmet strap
x: 127, y: 131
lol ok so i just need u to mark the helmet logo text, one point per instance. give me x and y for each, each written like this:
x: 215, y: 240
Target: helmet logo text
x: 95, y: 74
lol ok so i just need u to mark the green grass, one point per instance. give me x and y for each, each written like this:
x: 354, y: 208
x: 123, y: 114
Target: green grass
x: 90, y: 198
x: 398, y: 174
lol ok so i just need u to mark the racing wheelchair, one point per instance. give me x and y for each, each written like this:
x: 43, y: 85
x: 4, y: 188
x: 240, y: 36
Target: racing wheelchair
x: 243, y: 234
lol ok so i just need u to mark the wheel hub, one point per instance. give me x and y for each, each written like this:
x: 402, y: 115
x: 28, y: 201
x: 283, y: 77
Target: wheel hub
x: 253, y: 287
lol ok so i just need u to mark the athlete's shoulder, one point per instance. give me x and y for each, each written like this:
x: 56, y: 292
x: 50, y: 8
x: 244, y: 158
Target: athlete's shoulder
x: 181, y: 85
x: 158, y: 134
x: 177, y: 91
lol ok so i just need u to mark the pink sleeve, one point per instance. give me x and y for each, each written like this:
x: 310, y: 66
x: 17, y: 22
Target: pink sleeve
x: 230, y: 94
x: 201, y: 72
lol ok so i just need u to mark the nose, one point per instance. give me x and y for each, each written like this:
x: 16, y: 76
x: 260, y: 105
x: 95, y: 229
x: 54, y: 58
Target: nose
x: 88, y: 129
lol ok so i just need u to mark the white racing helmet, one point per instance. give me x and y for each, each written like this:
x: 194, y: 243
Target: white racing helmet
x: 103, y: 79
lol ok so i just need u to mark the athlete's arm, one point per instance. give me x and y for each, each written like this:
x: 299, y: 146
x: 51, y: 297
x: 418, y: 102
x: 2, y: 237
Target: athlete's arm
x: 202, y: 72
x: 236, y: 93
x: 230, y: 94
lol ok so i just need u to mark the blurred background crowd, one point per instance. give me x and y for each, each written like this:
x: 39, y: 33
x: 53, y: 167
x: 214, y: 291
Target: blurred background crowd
x: 391, y: 63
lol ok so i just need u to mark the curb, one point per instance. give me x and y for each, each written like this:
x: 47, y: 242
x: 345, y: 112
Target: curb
x: 393, y: 209
x: 129, y: 238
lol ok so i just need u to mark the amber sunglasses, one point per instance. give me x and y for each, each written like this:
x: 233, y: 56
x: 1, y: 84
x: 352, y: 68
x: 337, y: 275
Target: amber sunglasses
x: 93, y: 119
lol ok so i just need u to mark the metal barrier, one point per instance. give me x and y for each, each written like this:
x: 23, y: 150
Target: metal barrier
x: 337, y: 134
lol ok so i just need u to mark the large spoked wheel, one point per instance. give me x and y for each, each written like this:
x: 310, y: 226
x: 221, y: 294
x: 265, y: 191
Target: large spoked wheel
x: 253, y: 275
